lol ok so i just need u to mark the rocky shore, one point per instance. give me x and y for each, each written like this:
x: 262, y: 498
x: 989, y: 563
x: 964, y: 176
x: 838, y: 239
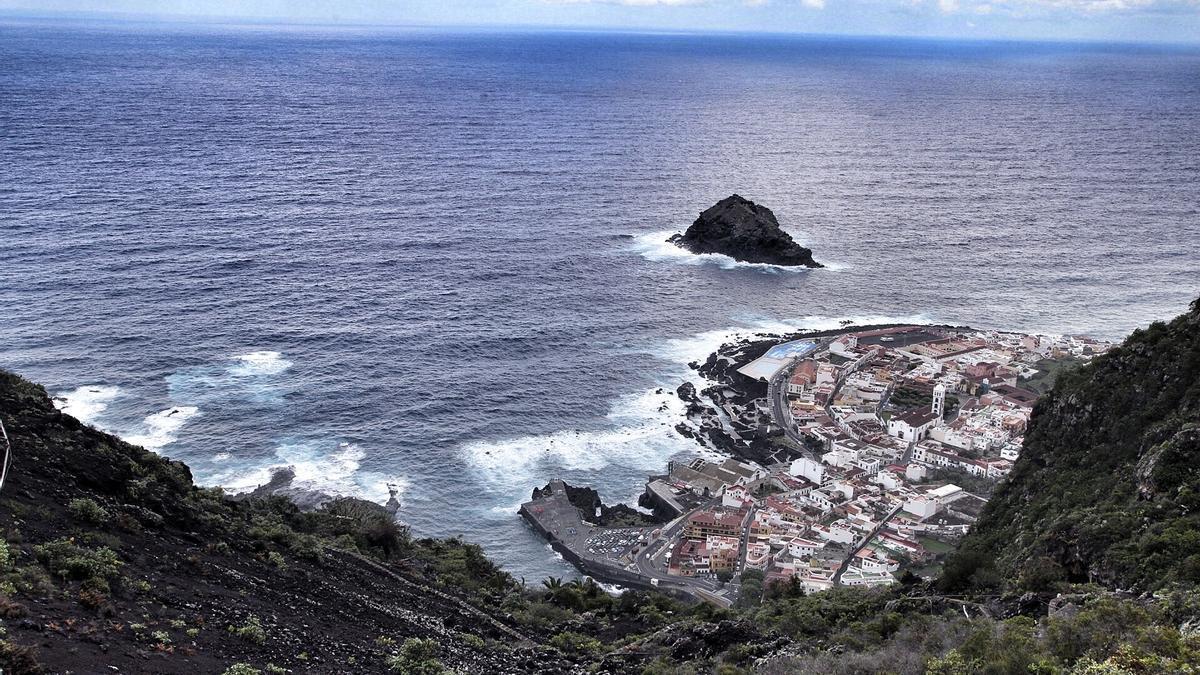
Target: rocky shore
x: 587, y: 501
x: 731, y: 390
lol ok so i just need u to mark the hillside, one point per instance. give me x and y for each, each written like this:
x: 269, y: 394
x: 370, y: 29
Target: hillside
x: 115, y: 559
x: 1107, y: 488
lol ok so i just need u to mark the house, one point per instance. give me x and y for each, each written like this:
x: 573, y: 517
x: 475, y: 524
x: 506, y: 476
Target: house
x: 803, y: 377
x: 858, y: 576
x: 803, y: 548
x: 821, y: 500
x: 808, y: 469
x: 688, y: 558
x: 758, y: 555
x: 703, y: 524
x: 736, y: 496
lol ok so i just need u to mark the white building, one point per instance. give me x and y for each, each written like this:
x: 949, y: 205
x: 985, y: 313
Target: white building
x: 808, y: 469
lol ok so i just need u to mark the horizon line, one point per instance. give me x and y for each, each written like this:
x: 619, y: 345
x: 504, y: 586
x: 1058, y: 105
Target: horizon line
x: 177, y: 19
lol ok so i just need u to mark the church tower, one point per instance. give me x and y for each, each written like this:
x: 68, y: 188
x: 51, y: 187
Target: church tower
x: 939, y: 401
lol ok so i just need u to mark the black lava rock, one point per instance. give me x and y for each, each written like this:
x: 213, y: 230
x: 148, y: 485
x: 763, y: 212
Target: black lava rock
x: 745, y: 231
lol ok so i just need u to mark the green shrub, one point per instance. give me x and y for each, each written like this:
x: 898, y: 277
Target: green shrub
x: 474, y: 641
x: 87, y: 511
x: 67, y: 560
x: 251, y: 631
x: 417, y: 657
x: 242, y: 669
x: 569, y: 642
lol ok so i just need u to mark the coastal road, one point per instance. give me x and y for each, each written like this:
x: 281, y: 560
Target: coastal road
x: 651, y: 562
x: 777, y: 395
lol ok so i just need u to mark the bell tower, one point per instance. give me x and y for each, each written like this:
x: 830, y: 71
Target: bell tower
x: 939, y: 401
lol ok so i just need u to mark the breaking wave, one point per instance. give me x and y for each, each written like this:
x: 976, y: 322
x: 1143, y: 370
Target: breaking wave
x: 640, y: 435
x: 88, y: 403
x: 253, y: 376
x: 258, y: 363
x: 655, y: 248
x: 320, y: 466
x: 161, y: 428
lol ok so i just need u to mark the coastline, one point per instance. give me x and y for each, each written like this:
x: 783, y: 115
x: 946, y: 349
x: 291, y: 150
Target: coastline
x: 828, y: 454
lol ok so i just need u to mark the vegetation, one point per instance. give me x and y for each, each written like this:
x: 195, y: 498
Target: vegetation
x: 417, y: 657
x: 251, y: 631
x: 1107, y: 488
x: 87, y: 511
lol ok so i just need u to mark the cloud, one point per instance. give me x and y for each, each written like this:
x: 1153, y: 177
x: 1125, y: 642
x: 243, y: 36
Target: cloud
x: 630, y: 3
x: 813, y: 4
x: 1028, y: 7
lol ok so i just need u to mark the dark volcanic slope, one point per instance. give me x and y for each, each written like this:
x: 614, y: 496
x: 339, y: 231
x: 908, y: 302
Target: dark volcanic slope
x: 745, y: 231
x: 1107, y: 487
x: 111, y: 560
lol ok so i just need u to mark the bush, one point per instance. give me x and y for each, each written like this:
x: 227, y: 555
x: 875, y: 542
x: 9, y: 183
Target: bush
x: 242, y: 669
x: 251, y: 631
x: 569, y: 642
x: 417, y: 657
x: 67, y: 560
x: 18, y: 659
x: 87, y: 511
x: 474, y: 641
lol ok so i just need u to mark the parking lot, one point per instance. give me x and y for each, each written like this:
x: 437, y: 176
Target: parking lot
x: 613, y: 543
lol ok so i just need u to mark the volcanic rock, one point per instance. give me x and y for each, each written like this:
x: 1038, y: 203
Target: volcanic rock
x: 745, y: 231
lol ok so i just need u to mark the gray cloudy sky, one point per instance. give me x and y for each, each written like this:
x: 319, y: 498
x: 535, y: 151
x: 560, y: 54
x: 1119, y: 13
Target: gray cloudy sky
x: 1126, y: 20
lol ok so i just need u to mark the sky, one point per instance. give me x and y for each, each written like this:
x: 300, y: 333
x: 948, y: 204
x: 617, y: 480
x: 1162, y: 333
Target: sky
x: 1107, y: 20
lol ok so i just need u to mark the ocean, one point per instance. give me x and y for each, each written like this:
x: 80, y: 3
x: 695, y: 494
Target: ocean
x: 436, y: 259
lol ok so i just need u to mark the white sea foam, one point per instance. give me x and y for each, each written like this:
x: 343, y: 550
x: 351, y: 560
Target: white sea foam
x: 162, y: 428
x: 88, y: 403
x: 253, y: 376
x: 655, y: 247
x: 321, y: 468
x: 259, y: 363
x: 698, y: 347
x: 641, y: 436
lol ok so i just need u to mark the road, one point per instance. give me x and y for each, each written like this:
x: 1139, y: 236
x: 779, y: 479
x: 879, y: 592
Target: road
x: 651, y: 562
x: 777, y: 394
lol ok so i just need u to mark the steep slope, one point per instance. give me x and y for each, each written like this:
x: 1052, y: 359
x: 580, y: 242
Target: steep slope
x: 1107, y: 488
x: 112, y: 560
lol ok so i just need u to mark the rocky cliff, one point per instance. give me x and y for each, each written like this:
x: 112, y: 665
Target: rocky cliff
x: 1107, y: 487
x: 745, y: 231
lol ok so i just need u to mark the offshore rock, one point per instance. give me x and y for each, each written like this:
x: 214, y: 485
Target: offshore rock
x: 744, y: 231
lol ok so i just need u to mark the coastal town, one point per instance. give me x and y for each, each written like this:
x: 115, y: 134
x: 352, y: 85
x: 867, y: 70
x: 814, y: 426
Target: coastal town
x: 885, y: 444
